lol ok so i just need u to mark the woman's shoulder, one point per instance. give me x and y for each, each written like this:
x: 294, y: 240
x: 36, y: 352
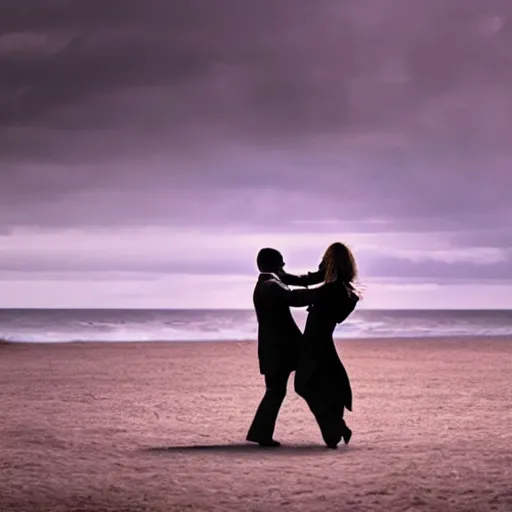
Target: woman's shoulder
x: 338, y: 287
x: 340, y: 290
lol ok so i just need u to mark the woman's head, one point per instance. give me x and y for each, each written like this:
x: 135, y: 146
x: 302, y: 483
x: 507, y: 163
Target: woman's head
x: 339, y: 263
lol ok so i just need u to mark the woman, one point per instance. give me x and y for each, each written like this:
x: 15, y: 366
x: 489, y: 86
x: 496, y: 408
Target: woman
x: 320, y: 377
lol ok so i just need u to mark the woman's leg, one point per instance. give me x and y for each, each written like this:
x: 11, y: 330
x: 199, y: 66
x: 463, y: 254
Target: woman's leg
x: 326, y: 418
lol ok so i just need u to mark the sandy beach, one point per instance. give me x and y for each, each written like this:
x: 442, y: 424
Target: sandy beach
x: 161, y: 426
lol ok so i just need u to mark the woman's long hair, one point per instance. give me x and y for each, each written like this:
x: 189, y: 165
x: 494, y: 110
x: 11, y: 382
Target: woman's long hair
x: 339, y: 264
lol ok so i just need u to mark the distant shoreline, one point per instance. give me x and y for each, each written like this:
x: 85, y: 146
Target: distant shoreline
x: 80, y: 325
x: 381, y: 339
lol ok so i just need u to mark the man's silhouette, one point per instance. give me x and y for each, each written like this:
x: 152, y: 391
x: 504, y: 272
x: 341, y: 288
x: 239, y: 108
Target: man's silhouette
x: 279, y: 339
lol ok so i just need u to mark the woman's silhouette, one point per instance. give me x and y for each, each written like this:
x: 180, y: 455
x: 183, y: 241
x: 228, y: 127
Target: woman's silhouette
x: 320, y: 377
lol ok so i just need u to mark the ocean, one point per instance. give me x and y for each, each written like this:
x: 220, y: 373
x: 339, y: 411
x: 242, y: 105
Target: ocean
x: 116, y: 325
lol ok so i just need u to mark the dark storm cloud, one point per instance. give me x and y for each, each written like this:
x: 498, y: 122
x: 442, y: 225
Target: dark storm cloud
x: 205, y: 63
x: 254, y: 72
x: 127, y: 112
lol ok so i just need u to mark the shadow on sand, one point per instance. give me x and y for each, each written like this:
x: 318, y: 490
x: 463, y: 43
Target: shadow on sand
x: 246, y: 448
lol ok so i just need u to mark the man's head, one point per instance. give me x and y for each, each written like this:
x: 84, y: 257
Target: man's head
x: 270, y: 260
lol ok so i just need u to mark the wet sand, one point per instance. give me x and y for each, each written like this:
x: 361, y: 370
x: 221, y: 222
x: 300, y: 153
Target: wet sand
x: 161, y: 427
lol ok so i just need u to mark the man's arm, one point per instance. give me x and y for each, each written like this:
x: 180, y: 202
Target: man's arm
x: 293, y: 298
x: 309, y: 279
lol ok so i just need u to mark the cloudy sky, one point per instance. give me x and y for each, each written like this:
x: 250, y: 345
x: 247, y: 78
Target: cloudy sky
x: 148, y: 149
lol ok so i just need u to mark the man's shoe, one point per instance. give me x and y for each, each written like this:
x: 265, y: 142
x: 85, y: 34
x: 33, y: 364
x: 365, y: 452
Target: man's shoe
x: 272, y: 443
x: 269, y: 443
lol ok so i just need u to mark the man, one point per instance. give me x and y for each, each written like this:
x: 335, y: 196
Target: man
x: 279, y: 338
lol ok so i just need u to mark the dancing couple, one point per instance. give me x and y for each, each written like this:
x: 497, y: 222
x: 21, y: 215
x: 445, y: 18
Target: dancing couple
x: 320, y: 377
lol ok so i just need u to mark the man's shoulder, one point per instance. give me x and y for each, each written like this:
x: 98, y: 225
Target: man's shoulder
x: 269, y: 283
x: 268, y: 278
x: 273, y: 280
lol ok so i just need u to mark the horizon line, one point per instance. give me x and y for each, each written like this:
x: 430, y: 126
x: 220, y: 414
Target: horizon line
x: 230, y: 309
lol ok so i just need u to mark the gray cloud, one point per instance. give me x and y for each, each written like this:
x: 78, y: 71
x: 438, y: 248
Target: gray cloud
x: 105, y: 258
x: 33, y: 275
x: 491, y: 236
x: 438, y: 271
x: 274, y: 116
x: 22, y: 265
